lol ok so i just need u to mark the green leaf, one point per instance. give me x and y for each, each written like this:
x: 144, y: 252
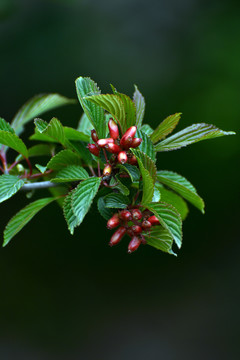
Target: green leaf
x: 62, y: 159
x: 147, y: 129
x: 181, y: 186
x: 191, y: 135
x: 105, y: 212
x: 80, y: 148
x: 169, y: 218
x: 83, y: 196
x: 23, y: 217
x: 160, y: 239
x: 165, y: 127
x: 39, y: 150
x: 119, y: 185
x: 36, y: 107
x: 112, y: 104
x: 132, y: 171
x: 86, y: 87
x: 13, y: 141
x: 85, y: 126
x: 173, y: 199
x: 129, y: 109
x: 156, y: 194
x: 139, y: 102
x: 54, y: 130
x: 9, y: 185
x: 71, y: 173
x: 41, y: 168
x: 5, y: 126
x: 146, y: 145
x: 68, y: 213
x: 72, y: 134
x: 116, y: 201
x: 148, y: 163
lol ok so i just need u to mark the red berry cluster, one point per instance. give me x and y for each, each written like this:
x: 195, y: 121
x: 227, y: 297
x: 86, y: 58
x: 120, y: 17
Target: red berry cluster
x: 132, y: 222
x: 116, y: 145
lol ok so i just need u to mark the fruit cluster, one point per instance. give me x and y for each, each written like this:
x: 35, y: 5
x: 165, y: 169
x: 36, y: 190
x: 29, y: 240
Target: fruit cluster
x: 132, y: 222
x: 116, y: 145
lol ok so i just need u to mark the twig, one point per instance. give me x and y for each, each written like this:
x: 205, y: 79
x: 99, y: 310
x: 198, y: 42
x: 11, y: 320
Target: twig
x: 39, y: 185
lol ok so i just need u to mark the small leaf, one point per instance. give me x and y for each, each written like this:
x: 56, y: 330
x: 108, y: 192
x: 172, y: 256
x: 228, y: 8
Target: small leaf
x: 83, y: 196
x: 173, y: 199
x: 112, y: 104
x: 72, y: 134
x: 156, y: 194
x: 146, y: 145
x: 132, y: 171
x: 14, y: 142
x: 116, y: 201
x: 68, y: 213
x: 23, y: 217
x: 119, y: 185
x: 54, y: 130
x: 165, y: 127
x: 86, y: 87
x: 39, y: 150
x: 71, y: 173
x: 169, y: 218
x: 147, y: 129
x: 160, y: 239
x: 181, y: 186
x: 129, y: 109
x: 191, y: 135
x: 41, y: 168
x: 148, y: 163
x: 5, y: 126
x: 103, y: 210
x: 36, y: 107
x: 9, y: 185
x: 85, y: 126
x: 62, y: 159
x: 139, y: 102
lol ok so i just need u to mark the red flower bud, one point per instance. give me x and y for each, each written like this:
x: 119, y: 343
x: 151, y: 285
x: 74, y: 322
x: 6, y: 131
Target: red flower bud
x: 126, y: 142
x: 136, y: 142
x: 130, y: 132
x: 113, y: 148
x: 143, y: 240
x: 134, y: 244
x: 130, y: 232
x: 153, y: 220
x: 146, y: 224
x: 104, y: 142
x: 113, y: 129
x: 125, y: 215
x: 113, y: 222
x: 107, y: 170
x: 93, y: 149
x: 136, y: 229
x: 94, y: 135
x: 117, y: 236
x: 122, y: 157
x: 133, y: 160
x: 136, y: 214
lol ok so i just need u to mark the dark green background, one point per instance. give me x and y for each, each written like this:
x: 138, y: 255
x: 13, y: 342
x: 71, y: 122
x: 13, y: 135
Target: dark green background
x: 65, y: 297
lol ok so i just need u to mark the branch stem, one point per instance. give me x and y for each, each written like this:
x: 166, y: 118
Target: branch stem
x: 39, y: 185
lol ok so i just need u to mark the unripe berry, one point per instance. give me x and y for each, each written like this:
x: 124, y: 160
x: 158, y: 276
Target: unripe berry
x: 107, y: 170
x: 113, y: 148
x: 113, y: 222
x: 134, y: 244
x: 153, y: 220
x: 117, y: 236
x: 133, y: 160
x: 136, y: 142
x: 104, y: 142
x: 146, y: 224
x: 125, y: 215
x: 94, y: 135
x: 122, y: 157
x: 93, y: 149
x: 136, y: 214
x: 113, y: 129
x: 126, y: 142
x: 136, y: 229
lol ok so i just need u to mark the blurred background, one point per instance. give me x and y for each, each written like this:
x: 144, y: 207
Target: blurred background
x: 74, y: 297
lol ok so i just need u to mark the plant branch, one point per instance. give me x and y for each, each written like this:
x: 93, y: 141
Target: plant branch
x: 39, y: 185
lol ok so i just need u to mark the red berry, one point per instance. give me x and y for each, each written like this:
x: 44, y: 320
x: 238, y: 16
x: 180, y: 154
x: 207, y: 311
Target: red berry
x: 125, y: 215
x: 107, y: 170
x: 153, y: 220
x: 136, y: 214
x: 93, y: 149
x: 94, y: 135
x: 143, y: 240
x: 122, y: 157
x: 146, y: 224
x: 136, y: 142
x: 117, y: 236
x: 113, y: 129
x: 134, y: 244
x: 130, y: 132
x: 136, y: 229
x: 130, y: 232
x: 104, y: 142
x: 133, y: 160
x: 113, y: 222
x: 126, y: 142
x: 113, y: 148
